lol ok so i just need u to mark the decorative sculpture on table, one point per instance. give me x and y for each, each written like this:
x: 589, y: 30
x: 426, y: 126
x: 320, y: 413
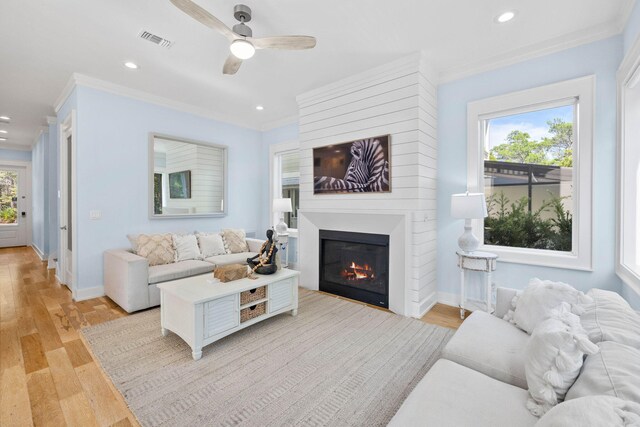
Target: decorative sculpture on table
x: 265, y: 261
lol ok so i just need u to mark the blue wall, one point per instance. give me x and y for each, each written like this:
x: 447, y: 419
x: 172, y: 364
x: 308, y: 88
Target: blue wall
x: 40, y: 195
x: 112, y: 174
x: 15, y: 155
x: 601, y: 58
x: 53, y: 177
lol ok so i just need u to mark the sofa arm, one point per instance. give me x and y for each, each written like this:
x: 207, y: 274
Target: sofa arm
x: 126, y: 279
x: 504, y: 296
x: 254, y: 244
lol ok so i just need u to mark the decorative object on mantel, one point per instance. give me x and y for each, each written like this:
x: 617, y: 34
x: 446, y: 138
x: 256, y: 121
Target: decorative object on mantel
x: 353, y: 167
x: 468, y: 206
x: 477, y: 261
x: 231, y: 272
x: 265, y: 261
x: 281, y: 206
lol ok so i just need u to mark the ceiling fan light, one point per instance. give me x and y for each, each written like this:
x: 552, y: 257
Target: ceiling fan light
x: 242, y: 49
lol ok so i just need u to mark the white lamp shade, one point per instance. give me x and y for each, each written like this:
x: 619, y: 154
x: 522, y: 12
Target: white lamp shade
x: 468, y: 206
x: 282, y: 205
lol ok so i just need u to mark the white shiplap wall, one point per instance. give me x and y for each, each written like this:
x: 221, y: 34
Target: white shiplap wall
x: 397, y: 99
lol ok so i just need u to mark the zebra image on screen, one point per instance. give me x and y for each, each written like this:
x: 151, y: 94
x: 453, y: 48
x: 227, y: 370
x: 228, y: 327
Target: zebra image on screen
x: 368, y: 171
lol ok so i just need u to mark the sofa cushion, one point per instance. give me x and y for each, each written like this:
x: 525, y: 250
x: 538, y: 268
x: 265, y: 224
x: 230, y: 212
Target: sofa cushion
x: 186, y: 247
x: 235, y: 240
x: 490, y: 345
x: 178, y: 270
x: 553, y: 358
x: 211, y: 244
x: 539, y: 298
x: 240, y: 258
x: 454, y: 395
x: 593, y: 411
x: 156, y: 248
x: 611, y: 318
x: 614, y: 371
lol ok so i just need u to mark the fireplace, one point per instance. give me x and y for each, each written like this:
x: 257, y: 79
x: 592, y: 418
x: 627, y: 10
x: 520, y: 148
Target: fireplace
x: 355, y: 265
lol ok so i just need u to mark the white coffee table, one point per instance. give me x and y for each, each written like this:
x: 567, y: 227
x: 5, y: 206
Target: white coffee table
x: 201, y: 312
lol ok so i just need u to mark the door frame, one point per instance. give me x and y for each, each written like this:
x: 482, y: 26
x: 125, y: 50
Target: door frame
x: 67, y: 128
x: 29, y: 203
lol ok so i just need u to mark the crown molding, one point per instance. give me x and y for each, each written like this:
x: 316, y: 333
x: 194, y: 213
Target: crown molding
x: 17, y: 147
x: 536, y: 50
x: 116, y: 89
x: 274, y: 124
x: 52, y: 120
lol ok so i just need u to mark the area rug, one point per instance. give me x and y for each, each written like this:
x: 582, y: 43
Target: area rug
x: 337, y: 363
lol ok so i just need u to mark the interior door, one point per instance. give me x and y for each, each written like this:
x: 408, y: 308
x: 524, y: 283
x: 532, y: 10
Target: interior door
x: 66, y: 206
x: 13, y: 207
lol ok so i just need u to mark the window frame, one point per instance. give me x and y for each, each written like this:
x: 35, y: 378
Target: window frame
x: 275, y: 182
x: 478, y: 112
x: 628, y: 71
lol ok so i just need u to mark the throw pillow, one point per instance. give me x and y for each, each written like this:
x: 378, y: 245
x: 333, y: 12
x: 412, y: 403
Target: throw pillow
x: 553, y: 358
x: 610, y: 318
x: 186, y: 247
x: 157, y: 248
x: 133, y: 240
x: 211, y: 244
x: 614, y: 371
x: 235, y: 241
x: 593, y: 411
x: 540, y: 297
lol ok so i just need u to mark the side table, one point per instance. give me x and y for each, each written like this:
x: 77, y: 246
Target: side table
x: 476, y: 261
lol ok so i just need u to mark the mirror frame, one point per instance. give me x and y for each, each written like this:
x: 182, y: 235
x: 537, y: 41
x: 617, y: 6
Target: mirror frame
x: 151, y: 165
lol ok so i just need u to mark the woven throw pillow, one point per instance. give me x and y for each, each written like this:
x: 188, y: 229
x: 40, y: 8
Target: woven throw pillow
x: 553, y: 358
x: 186, y: 247
x: 211, y: 244
x: 541, y: 297
x: 610, y: 318
x: 593, y: 411
x: 235, y: 241
x: 157, y: 248
x: 614, y: 371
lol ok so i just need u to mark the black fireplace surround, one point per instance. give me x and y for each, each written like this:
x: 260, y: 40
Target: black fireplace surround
x: 355, y: 266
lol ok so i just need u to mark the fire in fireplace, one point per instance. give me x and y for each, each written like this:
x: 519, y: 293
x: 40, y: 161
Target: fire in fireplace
x: 355, y: 265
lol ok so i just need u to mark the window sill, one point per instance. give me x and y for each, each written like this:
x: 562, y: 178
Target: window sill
x: 540, y: 257
x: 629, y: 277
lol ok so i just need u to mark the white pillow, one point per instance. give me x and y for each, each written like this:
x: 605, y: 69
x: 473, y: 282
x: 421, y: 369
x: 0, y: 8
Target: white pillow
x: 593, y: 411
x: 610, y: 318
x: 211, y: 244
x: 614, y: 371
x: 539, y: 298
x: 186, y: 247
x: 553, y: 358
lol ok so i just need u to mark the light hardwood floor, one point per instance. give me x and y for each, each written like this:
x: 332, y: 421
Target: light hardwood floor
x: 47, y: 374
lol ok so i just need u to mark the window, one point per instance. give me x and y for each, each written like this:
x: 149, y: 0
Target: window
x: 8, y: 197
x: 286, y: 180
x: 530, y: 153
x: 628, y: 247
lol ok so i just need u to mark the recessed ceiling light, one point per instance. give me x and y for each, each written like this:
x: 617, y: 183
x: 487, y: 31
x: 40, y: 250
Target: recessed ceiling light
x: 131, y: 65
x: 5, y: 118
x: 259, y: 107
x: 505, y: 17
x: 3, y: 139
x: 3, y: 131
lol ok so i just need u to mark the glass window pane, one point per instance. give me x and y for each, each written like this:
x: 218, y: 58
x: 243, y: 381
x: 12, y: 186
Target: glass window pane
x: 8, y: 197
x: 290, y: 184
x: 528, y: 179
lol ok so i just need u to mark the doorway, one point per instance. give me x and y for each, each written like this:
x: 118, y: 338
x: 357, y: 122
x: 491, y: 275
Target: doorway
x: 67, y: 237
x: 15, y: 185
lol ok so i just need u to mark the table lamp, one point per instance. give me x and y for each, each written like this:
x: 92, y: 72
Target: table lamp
x: 281, y: 206
x: 468, y: 206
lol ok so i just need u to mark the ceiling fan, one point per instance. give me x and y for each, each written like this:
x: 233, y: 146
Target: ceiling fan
x: 243, y: 44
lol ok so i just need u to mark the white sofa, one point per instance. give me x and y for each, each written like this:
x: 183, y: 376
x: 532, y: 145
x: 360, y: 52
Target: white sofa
x: 480, y: 379
x: 132, y: 284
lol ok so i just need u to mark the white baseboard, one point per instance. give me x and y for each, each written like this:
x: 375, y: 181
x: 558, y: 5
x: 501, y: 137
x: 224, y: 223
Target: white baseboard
x: 88, y: 293
x: 51, y: 264
x: 38, y: 252
x: 425, y: 305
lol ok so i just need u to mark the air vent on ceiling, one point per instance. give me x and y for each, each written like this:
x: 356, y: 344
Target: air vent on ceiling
x: 160, y: 41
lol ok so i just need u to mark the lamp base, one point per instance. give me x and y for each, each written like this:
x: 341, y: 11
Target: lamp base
x: 467, y: 241
x: 281, y: 228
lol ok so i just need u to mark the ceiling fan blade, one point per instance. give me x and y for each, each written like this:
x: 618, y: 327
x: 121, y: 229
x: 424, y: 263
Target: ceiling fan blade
x: 204, y: 17
x: 283, y: 42
x: 231, y: 65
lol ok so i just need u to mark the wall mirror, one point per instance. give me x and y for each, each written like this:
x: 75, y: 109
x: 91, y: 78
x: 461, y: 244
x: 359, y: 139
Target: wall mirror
x: 187, y: 179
